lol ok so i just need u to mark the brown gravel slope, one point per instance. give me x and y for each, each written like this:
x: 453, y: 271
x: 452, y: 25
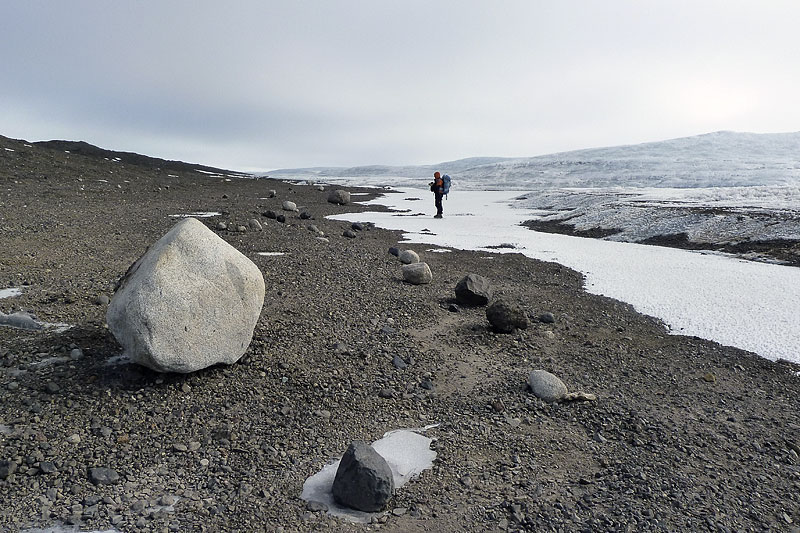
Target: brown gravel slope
x: 686, y: 435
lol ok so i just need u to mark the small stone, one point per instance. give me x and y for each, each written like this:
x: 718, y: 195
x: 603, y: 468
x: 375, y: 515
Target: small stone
x: 710, y: 378
x: 7, y: 468
x: 417, y: 273
x: 426, y: 384
x: 13, y: 386
x: 357, y: 226
x: 281, y: 218
x: 269, y: 214
x: 179, y: 447
x: 271, y: 193
x: 103, y: 476
x: 305, y: 215
x: 398, y: 362
x: 546, y: 386
x: 386, y: 393
x: 547, y: 318
x: 399, y: 511
x: 350, y: 234
x: 505, y: 317
x: 102, y: 299
x: 221, y: 226
x: 339, y: 197
x: 408, y: 257
x: 289, y: 206
x: 254, y: 224
x: 76, y: 354
x: 186, y: 388
x: 74, y: 438
x: 51, y: 388
x: 47, y: 467
x: 394, y: 251
x: 315, y: 506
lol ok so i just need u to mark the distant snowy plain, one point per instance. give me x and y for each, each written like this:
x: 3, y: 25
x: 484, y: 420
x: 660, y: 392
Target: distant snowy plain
x: 721, y: 186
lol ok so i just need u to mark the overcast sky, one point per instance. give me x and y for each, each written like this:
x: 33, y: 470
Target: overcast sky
x: 259, y: 84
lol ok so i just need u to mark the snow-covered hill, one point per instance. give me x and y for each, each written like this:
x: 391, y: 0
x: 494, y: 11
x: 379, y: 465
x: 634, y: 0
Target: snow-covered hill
x: 721, y: 159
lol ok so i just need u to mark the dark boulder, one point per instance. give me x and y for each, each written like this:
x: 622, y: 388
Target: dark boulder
x: 473, y: 290
x: 363, y: 480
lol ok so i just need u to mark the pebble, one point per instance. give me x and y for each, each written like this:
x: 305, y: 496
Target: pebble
x: 103, y: 476
x: 51, y: 388
x: 76, y: 354
x: 74, y: 438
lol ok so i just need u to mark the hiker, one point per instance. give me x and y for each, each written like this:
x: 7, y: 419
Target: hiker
x: 437, y: 188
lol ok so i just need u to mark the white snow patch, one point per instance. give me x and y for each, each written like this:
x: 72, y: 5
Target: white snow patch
x: 118, y: 360
x: 439, y: 250
x: 9, y: 150
x: 199, y: 214
x: 10, y: 292
x: 407, y: 453
x: 752, y: 306
x: 271, y: 254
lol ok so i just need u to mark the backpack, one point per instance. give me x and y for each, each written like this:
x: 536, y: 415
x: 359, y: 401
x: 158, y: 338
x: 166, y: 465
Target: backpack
x: 445, y: 184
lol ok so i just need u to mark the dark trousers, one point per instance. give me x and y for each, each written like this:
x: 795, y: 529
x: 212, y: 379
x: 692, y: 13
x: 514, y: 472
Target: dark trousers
x: 438, y: 202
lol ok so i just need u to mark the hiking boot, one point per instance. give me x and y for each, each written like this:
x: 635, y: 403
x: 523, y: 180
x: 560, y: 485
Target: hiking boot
x: 437, y: 216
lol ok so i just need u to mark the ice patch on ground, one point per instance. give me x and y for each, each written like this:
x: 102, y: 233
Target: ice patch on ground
x: 10, y: 292
x: 407, y: 453
x: 118, y: 360
x: 752, y: 306
x: 199, y: 214
x: 270, y: 254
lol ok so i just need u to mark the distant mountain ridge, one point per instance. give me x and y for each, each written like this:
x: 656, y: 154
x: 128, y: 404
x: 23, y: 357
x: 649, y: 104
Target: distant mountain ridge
x: 719, y: 159
x: 130, y: 158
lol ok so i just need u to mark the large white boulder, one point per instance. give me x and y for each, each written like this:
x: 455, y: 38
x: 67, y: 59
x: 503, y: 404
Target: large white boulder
x: 191, y: 301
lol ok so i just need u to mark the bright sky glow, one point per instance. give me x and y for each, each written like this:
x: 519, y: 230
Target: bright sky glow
x: 256, y: 85
x: 753, y: 306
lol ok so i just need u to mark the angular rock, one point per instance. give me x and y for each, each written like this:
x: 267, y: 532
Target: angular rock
x: 546, y: 386
x: 394, y: 251
x: 505, y: 317
x: 305, y: 215
x: 363, y: 480
x: 547, y: 318
x: 339, y: 197
x: 191, y: 301
x: 473, y: 289
x: 350, y: 234
x: 103, y: 476
x: 417, y: 273
x: 289, y: 206
x: 281, y: 218
x: 408, y: 257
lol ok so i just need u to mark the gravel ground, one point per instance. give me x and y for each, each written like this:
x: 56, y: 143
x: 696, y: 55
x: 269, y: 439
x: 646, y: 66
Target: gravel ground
x: 685, y: 435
